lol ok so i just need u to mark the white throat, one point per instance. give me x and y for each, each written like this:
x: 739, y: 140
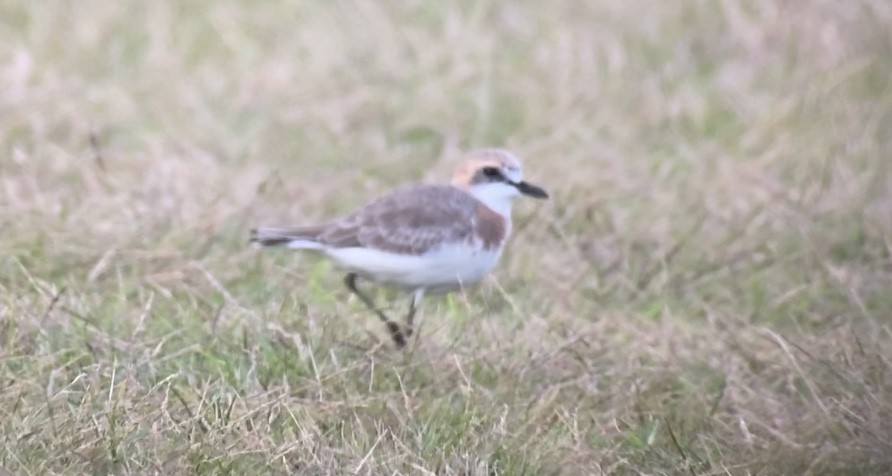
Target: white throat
x: 497, y: 196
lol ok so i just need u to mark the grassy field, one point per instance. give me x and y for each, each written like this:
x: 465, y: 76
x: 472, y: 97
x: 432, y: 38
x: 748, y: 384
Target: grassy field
x: 709, y: 291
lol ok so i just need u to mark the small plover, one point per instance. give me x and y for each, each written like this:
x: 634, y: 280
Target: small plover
x: 427, y: 239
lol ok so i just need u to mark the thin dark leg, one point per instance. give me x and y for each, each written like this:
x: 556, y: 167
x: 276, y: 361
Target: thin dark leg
x: 409, y: 318
x: 413, y: 306
x: 392, y: 327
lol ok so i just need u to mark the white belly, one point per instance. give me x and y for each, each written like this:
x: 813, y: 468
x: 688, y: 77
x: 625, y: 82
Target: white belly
x: 443, y: 270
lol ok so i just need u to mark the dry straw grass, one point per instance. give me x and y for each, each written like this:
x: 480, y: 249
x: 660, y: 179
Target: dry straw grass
x: 707, y: 293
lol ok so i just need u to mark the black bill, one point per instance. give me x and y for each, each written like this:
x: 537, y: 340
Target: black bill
x: 531, y: 190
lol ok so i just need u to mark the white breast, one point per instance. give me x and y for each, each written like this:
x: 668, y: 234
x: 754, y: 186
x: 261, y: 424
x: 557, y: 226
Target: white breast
x: 445, y: 269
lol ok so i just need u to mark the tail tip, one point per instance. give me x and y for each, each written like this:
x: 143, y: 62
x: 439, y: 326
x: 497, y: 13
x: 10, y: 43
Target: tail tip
x: 262, y: 237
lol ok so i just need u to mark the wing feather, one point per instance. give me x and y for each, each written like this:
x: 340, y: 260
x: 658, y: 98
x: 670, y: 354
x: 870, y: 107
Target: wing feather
x: 408, y: 221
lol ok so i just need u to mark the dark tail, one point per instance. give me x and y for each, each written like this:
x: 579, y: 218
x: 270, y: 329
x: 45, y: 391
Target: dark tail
x: 302, y: 237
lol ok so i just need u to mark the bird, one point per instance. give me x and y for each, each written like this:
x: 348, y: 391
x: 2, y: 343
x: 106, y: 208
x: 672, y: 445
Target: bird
x: 426, y: 239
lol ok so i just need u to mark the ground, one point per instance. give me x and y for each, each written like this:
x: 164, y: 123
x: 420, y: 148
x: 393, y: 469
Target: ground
x: 707, y: 291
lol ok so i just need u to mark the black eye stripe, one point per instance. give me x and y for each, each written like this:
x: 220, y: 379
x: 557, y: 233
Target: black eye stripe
x: 491, y: 172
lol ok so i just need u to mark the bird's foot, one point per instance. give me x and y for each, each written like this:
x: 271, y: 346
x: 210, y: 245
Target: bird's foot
x: 397, y: 334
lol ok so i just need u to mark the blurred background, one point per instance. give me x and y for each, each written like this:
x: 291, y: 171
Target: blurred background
x: 707, y: 292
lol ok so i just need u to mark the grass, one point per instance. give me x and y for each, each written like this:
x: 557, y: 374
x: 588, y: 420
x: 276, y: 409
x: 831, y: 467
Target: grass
x: 706, y: 293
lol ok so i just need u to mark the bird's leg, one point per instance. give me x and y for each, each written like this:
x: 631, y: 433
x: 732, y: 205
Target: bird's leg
x: 392, y: 327
x: 413, y: 305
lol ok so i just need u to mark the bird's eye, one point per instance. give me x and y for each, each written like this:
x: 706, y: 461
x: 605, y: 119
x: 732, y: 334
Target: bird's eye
x: 491, y: 172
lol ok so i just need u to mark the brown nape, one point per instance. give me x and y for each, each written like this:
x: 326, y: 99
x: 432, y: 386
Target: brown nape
x: 465, y: 173
x: 470, y: 172
x: 500, y: 156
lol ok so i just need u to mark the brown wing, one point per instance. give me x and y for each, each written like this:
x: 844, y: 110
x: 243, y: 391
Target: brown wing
x: 410, y: 221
